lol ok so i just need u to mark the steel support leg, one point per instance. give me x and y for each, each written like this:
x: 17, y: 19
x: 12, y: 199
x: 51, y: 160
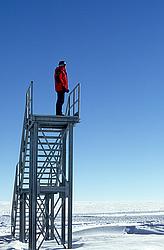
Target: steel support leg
x: 22, y: 217
x: 52, y: 216
x: 47, y: 215
x: 63, y: 217
x: 33, y: 186
x: 70, y: 180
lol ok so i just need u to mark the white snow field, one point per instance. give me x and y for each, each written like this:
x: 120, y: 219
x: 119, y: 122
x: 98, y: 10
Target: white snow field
x: 103, y: 225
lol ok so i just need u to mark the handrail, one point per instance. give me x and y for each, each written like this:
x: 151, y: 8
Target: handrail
x: 19, y: 170
x: 73, y: 103
x: 14, y: 203
x: 27, y: 115
x: 29, y: 101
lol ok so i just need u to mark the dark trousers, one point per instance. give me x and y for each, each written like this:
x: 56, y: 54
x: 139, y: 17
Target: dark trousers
x: 60, y: 102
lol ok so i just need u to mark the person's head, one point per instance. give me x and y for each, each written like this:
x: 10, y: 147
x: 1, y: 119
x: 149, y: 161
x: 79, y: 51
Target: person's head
x: 62, y: 63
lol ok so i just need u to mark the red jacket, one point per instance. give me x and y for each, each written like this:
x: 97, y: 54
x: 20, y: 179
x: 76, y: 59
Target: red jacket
x: 61, y: 80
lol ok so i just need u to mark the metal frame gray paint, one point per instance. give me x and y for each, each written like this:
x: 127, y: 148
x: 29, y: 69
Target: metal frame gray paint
x: 44, y: 176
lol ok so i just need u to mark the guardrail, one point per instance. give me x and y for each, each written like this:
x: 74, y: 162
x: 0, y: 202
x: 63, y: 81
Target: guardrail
x: 19, y: 169
x: 29, y: 101
x: 73, y: 104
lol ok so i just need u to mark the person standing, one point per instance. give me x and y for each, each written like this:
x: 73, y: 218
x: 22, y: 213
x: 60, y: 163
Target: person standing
x: 61, y: 85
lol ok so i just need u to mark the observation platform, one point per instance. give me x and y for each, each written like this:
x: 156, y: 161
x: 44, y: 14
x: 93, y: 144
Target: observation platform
x: 43, y: 186
x: 55, y: 121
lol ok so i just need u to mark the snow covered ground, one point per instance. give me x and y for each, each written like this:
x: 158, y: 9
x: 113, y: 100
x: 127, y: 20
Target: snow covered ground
x: 103, y: 225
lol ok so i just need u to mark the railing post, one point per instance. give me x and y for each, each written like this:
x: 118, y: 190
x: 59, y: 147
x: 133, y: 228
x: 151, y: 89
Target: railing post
x: 31, y: 102
x: 69, y: 105
x: 74, y: 102
x: 79, y: 99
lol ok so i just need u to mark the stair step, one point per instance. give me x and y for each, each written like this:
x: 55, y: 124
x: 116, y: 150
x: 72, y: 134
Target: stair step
x: 49, y: 130
x: 49, y: 137
x: 39, y: 162
x: 47, y: 143
x: 48, y: 149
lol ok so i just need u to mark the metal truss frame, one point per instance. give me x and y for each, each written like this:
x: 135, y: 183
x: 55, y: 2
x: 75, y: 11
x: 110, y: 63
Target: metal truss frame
x: 42, y: 197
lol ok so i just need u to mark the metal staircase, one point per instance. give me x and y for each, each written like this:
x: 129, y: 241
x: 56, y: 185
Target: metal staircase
x: 42, y: 197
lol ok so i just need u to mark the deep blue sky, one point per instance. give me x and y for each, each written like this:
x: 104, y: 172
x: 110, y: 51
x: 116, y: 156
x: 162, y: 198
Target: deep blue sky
x: 115, y: 49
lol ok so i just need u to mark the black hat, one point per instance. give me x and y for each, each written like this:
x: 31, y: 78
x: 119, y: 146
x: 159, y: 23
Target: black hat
x: 62, y: 63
